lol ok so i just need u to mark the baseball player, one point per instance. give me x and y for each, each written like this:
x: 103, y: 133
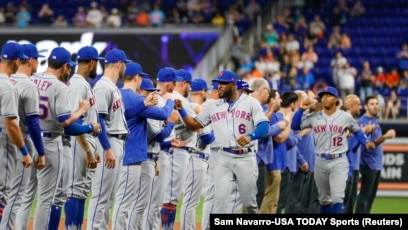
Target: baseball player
x: 166, y: 78
x: 238, y: 121
x: 136, y: 145
x: 243, y: 87
x: 82, y: 156
x: 371, y: 159
x: 10, y: 170
x: 111, y: 139
x: 30, y: 127
x: 197, y: 166
x: 181, y: 156
x: 329, y: 128
x: 157, y: 131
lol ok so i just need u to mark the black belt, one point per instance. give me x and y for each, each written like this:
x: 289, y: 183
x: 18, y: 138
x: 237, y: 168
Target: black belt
x: 50, y: 135
x: 152, y: 157
x: 119, y: 136
x: 238, y: 151
x: 332, y: 156
x: 188, y: 149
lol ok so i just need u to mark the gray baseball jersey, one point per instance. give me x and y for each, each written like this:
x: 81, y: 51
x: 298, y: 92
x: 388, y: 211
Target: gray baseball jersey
x: 54, y: 102
x: 8, y: 99
x: 29, y: 97
x: 110, y: 103
x: 329, y: 131
x: 231, y: 122
x: 153, y: 128
x: 184, y: 133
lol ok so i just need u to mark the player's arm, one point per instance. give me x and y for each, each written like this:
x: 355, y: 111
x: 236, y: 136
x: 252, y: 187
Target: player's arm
x: 34, y: 129
x: 283, y: 136
x: 15, y: 135
x: 359, y: 134
x: 158, y: 113
x: 190, y: 122
x: 82, y: 109
x: 91, y: 161
x: 207, y: 138
x: 390, y: 134
x: 292, y: 140
x: 163, y: 133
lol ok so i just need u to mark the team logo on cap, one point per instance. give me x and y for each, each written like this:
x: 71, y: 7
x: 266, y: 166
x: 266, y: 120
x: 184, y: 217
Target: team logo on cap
x: 221, y: 73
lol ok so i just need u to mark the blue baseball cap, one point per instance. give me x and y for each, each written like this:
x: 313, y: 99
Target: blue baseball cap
x: 244, y: 85
x: 186, y: 75
x: 13, y: 51
x: 61, y: 55
x: 115, y: 56
x: 88, y: 53
x: 226, y: 76
x: 147, y: 85
x: 133, y: 69
x: 329, y: 90
x: 31, y: 51
x: 214, y: 85
x: 198, y: 85
x: 168, y: 74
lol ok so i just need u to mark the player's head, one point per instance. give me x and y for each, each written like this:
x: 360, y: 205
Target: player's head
x: 353, y: 104
x: 31, y: 52
x: 115, y: 62
x: 146, y: 87
x: 214, y: 90
x: 227, y: 84
x: 275, y: 99
x: 183, y: 87
x: 134, y: 74
x: 166, y: 79
x: 313, y: 99
x: 12, y: 54
x: 199, y: 89
x: 330, y: 97
x: 289, y: 99
x: 302, y: 95
x: 371, y: 106
x: 60, y: 61
x: 243, y: 87
x: 88, y: 58
x: 261, y: 90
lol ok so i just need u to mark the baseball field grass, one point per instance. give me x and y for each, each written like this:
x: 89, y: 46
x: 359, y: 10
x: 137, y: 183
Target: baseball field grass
x: 382, y: 205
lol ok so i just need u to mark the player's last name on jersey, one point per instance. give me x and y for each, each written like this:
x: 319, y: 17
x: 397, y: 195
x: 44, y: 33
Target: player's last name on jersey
x: 266, y: 221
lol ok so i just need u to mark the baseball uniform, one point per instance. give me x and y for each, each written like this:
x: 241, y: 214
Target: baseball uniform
x: 353, y: 156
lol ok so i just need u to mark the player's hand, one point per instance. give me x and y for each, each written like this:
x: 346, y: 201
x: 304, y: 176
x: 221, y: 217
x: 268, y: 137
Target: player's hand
x: 304, y: 167
x: 287, y: 115
x: 307, y: 103
x: 304, y: 132
x: 176, y: 143
x: 390, y: 134
x: 282, y: 124
x: 369, y: 128
x: 96, y: 128
x: 178, y: 105
x: 109, y: 159
x: 156, y: 168
x: 27, y: 161
x: 370, y: 145
x: 98, y: 158
x: 244, y: 140
x: 174, y: 117
x: 151, y: 99
x: 168, y: 96
x: 84, y: 105
x: 91, y: 161
x: 39, y: 162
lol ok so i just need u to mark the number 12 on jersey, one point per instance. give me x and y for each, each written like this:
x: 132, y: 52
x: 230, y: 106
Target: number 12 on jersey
x: 338, y: 141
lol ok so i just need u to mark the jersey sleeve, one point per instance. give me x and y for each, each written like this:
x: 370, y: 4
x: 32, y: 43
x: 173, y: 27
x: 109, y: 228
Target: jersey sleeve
x: 306, y: 122
x: 62, y: 102
x: 258, y: 114
x: 204, y: 118
x: 75, y: 95
x: 353, y: 126
x: 31, y: 99
x: 103, y: 97
x: 8, y: 103
x: 153, y: 128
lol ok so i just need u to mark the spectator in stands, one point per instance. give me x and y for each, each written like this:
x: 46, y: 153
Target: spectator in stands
x: 142, y: 19
x: 132, y: 12
x: 317, y: 27
x: 285, y: 67
x: 402, y: 57
x: 79, y: 18
x: 271, y: 36
x: 218, y: 19
x: 23, y: 17
x: 292, y: 46
x: 237, y: 52
x: 182, y: 10
x: 366, y: 81
x: 404, y: 81
x: 2, y: 17
x: 105, y: 15
x: 287, y: 16
x: 60, y: 21
x: 209, y: 9
x: 393, y: 106
x: 336, y: 18
x: 336, y: 63
x: 145, y: 5
x: 301, y: 28
x: 45, y: 15
x: 392, y: 79
x: 358, y: 9
x: 157, y: 16
x: 273, y: 73
x: 247, y: 65
x: 305, y: 80
x: 280, y: 25
x: 379, y: 80
x: 114, y: 19
x: 253, y: 9
x: 10, y: 13
x: 94, y: 18
x: 196, y: 16
x: 309, y: 58
x: 334, y: 39
x: 345, y: 9
x: 346, y: 75
x: 345, y: 41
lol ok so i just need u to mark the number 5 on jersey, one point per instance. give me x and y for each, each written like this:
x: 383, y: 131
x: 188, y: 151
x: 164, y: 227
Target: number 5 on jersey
x: 43, y: 107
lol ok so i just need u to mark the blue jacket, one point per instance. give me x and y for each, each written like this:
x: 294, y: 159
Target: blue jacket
x: 372, y: 158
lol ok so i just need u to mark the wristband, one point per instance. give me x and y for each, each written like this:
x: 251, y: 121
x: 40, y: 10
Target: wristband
x: 24, y: 150
x: 252, y: 136
x: 183, y: 113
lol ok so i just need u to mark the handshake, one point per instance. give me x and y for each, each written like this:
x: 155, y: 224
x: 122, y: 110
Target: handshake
x: 178, y: 105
